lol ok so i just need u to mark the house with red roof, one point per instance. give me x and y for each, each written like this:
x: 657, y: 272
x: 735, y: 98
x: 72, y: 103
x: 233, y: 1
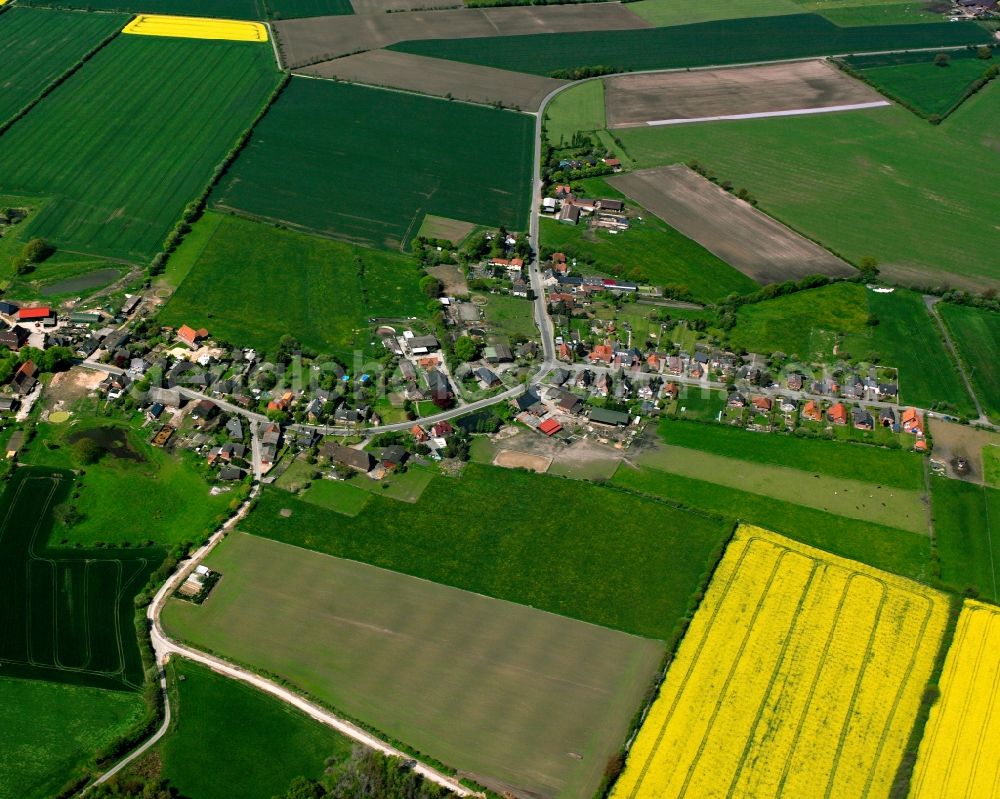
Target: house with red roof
x: 550, y: 427
x: 602, y: 352
x: 190, y: 336
x: 837, y: 413
x: 911, y: 422
x: 812, y: 411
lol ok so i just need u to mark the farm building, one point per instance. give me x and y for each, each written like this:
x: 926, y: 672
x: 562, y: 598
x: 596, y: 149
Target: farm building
x: 609, y: 417
x: 550, y: 427
x: 26, y: 377
x: 34, y: 314
x: 190, y: 336
x: 346, y: 456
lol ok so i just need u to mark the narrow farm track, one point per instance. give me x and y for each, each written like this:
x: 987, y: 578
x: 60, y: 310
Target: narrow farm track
x: 931, y: 303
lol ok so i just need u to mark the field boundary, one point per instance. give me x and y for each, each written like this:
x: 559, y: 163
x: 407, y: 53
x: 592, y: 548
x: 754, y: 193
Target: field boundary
x: 767, y: 114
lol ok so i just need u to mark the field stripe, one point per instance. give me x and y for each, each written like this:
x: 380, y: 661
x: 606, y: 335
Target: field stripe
x: 793, y: 112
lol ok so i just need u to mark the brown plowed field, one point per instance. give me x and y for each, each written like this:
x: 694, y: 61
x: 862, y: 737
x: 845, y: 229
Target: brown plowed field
x: 633, y: 100
x: 395, y: 6
x: 759, y: 246
x: 436, y: 76
x: 307, y: 41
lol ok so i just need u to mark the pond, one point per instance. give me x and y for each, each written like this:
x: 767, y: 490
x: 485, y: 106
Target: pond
x: 74, y: 285
x: 112, y: 440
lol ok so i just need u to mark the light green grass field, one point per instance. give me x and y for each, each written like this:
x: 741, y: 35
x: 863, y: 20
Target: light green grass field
x: 537, y: 540
x: 40, y: 46
x: 510, y: 316
x: 131, y: 138
x: 967, y: 528
x: 339, y: 496
x: 874, y: 465
x: 677, y: 12
x: 880, y: 183
x: 849, y: 13
x: 809, y: 323
x: 501, y: 691
x: 991, y: 465
x: 50, y: 731
x: 580, y: 107
x: 250, y: 283
x: 156, y: 497
x: 886, y: 547
x: 852, y: 499
x: 227, y: 739
x: 976, y: 334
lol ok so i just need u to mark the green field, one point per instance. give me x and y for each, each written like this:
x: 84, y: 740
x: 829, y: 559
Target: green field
x: 394, y: 157
x: 885, y: 547
x: 510, y: 316
x: 809, y: 323
x: 67, y: 615
x: 880, y: 183
x: 501, y: 691
x: 172, y: 491
x: 873, y: 12
x: 580, y: 107
x: 40, y: 46
x: 225, y: 9
x: 662, y: 13
x: 976, y: 334
x: 722, y: 42
x: 875, y: 465
x: 65, y: 275
x: 250, y: 283
x: 913, y: 78
x: 650, y: 251
x: 991, y: 465
x: 967, y: 527
x: 852, y: 499
x: 540, y: 541
x: 133, y: 137
x: 227, y: 739
x: 49, y: 732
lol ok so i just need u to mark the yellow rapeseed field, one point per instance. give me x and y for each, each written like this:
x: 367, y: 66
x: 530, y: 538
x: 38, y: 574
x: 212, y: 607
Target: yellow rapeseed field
x: 960, y: 754
x: 800, y: 676
x: 197, y: 28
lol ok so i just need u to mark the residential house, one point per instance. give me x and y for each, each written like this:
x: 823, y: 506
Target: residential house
x: 155, y: 411
x: 442, y: 429
x: 170, y: 397
x: 204, y: 411
x: 569, y: 214
x: 519, y: 288
x: 498, y: 353
x: 356, y: 459
x: 736, y: 400
x: 787, y: 404
x: 602, y: 353
x: 314, y: 409
x: 812, y: 411
x: 234, y: 427
x: 421, y: 345
x: 15, y: 338
x: 392, y: 457
x: 487, y: 378
x: 911, y: 422
x: 564, y: 353
x: 887, y: 418
x: 761, y: 404
x: 229, y: 473
x: 438, y: 386
x: 795, y: 382
x: 26, y: 378
x: 570, y: 403
x: 837, y: 413
x: 887, y: 390
x: 8, y: 308
x: 8, y: 404
x: 190, y: 336
x: 419, y: 434
x: 346, y: 415
x: 670, y: 391
x: 675, y: 365
x: 861, y: 419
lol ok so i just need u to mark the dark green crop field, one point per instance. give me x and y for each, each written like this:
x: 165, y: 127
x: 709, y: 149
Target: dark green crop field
x: 366, y: 164
x: 915, y: 80
x: 227, y: 9
x: 967, y: 526
x: 252, y: 283
x: 39, y: 46
x: 50, y: 731
x: 259, y: 744
x: 67, y: 615
x: 976, y: 334
x: 133, y: 137
x: 569, y: 547
x: 724, y: 42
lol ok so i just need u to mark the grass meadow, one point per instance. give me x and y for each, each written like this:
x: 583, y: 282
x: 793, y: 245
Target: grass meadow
x: 914, y: 79
x: 500, y: 691
x: 841, y: 12
x: 808, y: 324
x: 882, y: 546
x: 976, y: 334
x: 40, y: 46
x: 510, y: 316
x: 168, y: 494
x: 875, y: 465
x: 991, y: 465
x: 258, y: 743
x: 133, y: 137
x: 578, y: 108
x: 395, y: 157
x: 967, y: 529
x: 733, y: 41
x: 49, y: 732
x: 539, y: 541
x: 68, y: 614
x: 251, y: 283
x: 224, y: 9
x: 658, y: 252
x: 881, y: 183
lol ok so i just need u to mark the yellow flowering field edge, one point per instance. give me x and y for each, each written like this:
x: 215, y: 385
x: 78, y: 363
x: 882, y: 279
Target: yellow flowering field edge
x: 902, y: 598
x: 196, y: 28
x: 960, y: 755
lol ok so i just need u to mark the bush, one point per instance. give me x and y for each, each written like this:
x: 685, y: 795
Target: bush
x: 87, y: 452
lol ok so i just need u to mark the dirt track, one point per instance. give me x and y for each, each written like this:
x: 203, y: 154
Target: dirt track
x: 747, y: 239
x: 308, y: 41
x: 439, y: 77
x: 638, y: 99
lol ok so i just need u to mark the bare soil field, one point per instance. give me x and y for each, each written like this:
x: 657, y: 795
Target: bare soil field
x: 632, y: 100
x: 394, y: 6
x: 439, y: 77
x: 953, y: 440
x: 512, y: 459
x: 309, y: 41
x: 452, y: 279
x: 747, y: 239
